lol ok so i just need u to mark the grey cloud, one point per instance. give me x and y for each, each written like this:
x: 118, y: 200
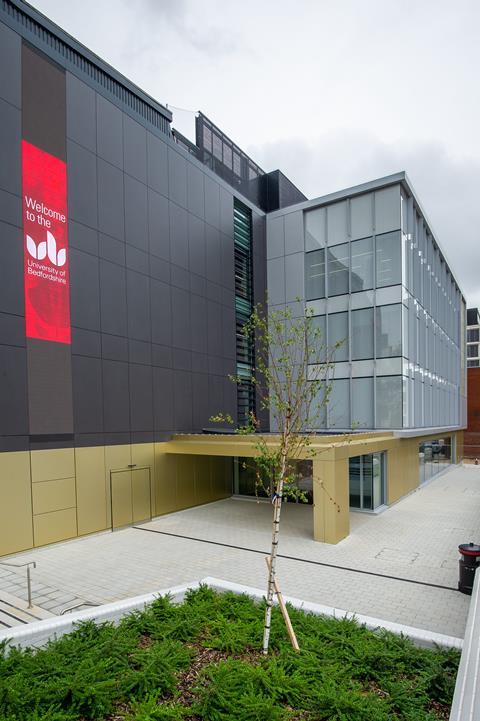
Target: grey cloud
x: 447, y: 187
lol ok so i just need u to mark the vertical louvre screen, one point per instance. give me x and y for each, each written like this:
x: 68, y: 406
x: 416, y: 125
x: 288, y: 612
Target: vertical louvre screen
x: 242, y: 225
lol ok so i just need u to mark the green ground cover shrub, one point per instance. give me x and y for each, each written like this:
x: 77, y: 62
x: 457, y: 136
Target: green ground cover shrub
x: 202, y: 660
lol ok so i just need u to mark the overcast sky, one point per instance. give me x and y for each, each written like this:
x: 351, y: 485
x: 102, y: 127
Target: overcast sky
x: 332, y: 92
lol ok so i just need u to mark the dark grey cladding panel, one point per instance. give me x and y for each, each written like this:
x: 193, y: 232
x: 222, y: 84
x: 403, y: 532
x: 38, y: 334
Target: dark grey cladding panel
x: 178, y: 235
x: 215, y: 395
x: 84, y: 290
x: 110, y: 200
x: 183, y: 401
x: 12, y: 329
x: 13, y: 391
x: 198, y: 311
x: 137, y: 259
x: 158, y: 225
x: 163, y: 404
x: 216, y: 365
x: 200, y: 362
x: 140, y: 352
x: 200, y: 401
x: 116, y: 397
x: 11, y: 287
x: 114, y: 347
x: 82, y: 237
x: 180, y: 277
x: 86, y: 342
x: 113, y: 298
x: 162, y: 356
x: 214, y: 254
x: 157, y: 164
x: 212, y: 202
x: 228, y: 261
x: 136, y: 213
x: 138, y: 306
x: 142, y: 437
x: 180, y: 318
x: 109, y: 132
x: 161, y: 311
x: 230, y: 397
x: 10, y: 63
x: 10, y: 148
x: 196, y: 245
x: 82, y: 185
x: 43, y: 103
x: 10, y: 208
x: 159, y: 269
x: 111, y: 249
x: 83, y: 440
x: 198, y: 285
x: 135, y: 149
x: 228, y: 332
x: 195, y: 190
x: 49, y: 367
x: 14, y: 443
x: 141, y: 391
x: 214, y: 328
x: 177, y: 177
x: 81, y: 113
x: 213, y: 292
x: 87, y: 394
x: 182, y: 359
x: 226, y: 212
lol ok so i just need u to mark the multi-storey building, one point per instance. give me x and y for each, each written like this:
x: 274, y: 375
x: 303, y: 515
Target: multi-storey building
x: 131, y: 259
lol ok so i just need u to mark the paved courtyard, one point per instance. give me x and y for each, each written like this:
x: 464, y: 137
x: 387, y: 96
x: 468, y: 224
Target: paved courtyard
x: 401, y: 565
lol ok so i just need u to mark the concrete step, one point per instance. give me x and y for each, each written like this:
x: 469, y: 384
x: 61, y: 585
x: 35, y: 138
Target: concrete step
x: 14, y: 611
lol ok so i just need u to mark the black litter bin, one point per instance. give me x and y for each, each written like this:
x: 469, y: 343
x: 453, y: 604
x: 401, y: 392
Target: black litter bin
x: 470, y: 553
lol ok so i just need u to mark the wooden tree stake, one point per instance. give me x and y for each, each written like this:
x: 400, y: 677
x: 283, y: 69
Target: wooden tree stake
x: 284, y: 610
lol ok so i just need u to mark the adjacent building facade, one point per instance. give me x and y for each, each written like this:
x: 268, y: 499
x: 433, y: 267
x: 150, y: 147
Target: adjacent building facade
x: 131, y: 259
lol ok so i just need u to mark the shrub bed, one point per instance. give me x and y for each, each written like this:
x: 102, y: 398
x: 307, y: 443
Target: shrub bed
x: 202, y: 660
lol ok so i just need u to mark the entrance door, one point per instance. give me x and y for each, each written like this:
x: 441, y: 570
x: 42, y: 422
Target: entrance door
x: 130, y: 496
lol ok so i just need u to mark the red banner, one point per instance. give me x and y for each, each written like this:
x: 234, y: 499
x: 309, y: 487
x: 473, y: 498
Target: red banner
x: 46, y: 277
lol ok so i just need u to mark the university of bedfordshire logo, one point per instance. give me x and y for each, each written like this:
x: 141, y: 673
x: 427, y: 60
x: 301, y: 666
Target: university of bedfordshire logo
x: 48, y: 247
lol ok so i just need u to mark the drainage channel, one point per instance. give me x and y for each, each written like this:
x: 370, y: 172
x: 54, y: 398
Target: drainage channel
x: 300, y: 560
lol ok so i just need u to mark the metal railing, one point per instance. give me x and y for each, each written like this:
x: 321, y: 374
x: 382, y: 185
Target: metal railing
x: 78, y: 605
x: 29, y: 580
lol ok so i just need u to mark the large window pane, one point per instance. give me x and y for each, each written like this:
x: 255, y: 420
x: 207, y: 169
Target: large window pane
x: 473, y: 335
x: 367, y: 482
x: 362, y: 264
x: 362, y: 334
x: 319, y: 328
x: 315, y: 229
x: 389, y: 330
x: 362, y: 402
x: 388, y: 259
x: 338, y: 269
x: 318, y: 408
x: 339, y: 404
x: 315, y: 274
x: 338, y: 334
x: 389, y: 402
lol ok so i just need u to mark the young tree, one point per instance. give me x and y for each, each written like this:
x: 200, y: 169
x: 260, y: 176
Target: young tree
x: 291, y: 379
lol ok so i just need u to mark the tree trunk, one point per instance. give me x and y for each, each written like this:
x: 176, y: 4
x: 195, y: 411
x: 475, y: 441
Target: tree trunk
x: 277, y: 508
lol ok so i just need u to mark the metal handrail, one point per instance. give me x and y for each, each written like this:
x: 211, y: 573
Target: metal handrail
x: 78, y: 605
x: 29, y: 582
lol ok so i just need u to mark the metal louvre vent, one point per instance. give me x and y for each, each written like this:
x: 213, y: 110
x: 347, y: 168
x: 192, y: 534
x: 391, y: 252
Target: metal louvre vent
x: 242, y: 226
x: 69, y: 57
